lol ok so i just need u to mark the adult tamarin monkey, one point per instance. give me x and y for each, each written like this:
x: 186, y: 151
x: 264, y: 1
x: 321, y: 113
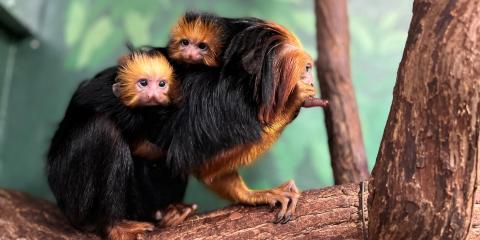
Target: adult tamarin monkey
x: 228, y: 122
x: 91, y: 171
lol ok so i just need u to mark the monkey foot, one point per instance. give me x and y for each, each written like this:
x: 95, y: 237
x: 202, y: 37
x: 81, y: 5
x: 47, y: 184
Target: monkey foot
x: 129, y: 230
x: 174, y: 214
x: 285, y: 195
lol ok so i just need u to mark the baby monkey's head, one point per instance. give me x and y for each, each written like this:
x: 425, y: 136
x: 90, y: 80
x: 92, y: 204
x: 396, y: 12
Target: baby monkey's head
x: 145, y: 78
x: 197, y: 39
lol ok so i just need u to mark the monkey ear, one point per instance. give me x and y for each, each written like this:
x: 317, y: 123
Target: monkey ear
x: 116, y: 89
x: 123, y: 59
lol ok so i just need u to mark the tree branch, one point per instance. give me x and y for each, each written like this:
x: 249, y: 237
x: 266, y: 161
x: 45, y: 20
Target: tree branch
x: 330, y: 213
x: 345, y: 141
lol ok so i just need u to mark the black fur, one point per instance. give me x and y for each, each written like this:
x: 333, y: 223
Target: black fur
x: 89, y: 164
x: 205, y: 124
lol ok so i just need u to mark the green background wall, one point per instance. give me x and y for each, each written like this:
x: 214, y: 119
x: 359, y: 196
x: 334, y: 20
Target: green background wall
x: 72, y: 40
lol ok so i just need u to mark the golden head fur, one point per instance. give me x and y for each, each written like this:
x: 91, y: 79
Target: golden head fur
x: 199, y: 29
x: 140, y: 66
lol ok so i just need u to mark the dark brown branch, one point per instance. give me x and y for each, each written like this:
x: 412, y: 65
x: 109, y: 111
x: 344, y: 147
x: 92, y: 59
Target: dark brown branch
x: 427, y: 167
x: 342, y: 120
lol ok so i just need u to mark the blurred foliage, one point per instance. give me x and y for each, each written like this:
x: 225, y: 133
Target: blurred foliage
x: 92, y: 34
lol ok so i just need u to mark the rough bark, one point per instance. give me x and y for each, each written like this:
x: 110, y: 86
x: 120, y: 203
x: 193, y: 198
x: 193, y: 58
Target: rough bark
x: 345, y: 140
x: 330, y: 213
x: 24, y: 217
x: 427, y: 167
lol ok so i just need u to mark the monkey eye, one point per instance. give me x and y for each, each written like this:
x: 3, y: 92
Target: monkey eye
x: 143, y: 82
x: 184, y: 42
x: 308, y: 68
x: 162, y: 84
x: 202, y: 46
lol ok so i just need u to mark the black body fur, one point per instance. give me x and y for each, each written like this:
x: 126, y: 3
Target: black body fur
x: 90, y: 167
x: 215, y: 115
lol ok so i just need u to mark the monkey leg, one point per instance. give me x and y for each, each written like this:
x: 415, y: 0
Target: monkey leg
x: 231, y: 186
x: 128, y: 230
x: 174, y: 214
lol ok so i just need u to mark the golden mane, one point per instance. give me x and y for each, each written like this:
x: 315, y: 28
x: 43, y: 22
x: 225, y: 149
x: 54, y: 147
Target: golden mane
x: 138, y: 66
x: 288, y: 66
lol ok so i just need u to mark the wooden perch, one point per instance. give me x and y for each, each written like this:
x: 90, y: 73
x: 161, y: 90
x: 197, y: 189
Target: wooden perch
x: 330, y: 213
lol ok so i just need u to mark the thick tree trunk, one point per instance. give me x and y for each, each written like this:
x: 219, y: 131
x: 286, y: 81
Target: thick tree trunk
x: 330, y: 213
x: 333, y: 67
x: 426, y: 171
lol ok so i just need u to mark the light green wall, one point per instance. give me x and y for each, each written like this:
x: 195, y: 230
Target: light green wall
x: 78, y: 38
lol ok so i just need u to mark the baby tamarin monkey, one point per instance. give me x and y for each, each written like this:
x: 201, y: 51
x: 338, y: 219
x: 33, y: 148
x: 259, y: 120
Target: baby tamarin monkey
x: 98, y: 184
x: 146, y: 78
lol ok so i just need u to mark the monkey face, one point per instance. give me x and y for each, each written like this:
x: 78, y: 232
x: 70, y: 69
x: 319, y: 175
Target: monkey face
x: 145, y: 80
x: 152, y: 92
x: 196, y: 41
x: 193, y: 51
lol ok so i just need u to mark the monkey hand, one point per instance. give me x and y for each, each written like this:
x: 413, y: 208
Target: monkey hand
x: 301, y: 93
x: 174, y: 214
x: 304, y: 93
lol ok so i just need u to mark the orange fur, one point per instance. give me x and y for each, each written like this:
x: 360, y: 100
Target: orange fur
x: 138, y: 66
x: 288, y: 36
x: 199, y: 30
x: 288, y: 67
